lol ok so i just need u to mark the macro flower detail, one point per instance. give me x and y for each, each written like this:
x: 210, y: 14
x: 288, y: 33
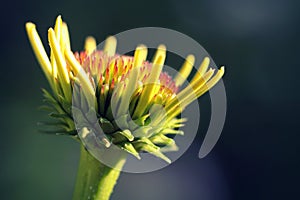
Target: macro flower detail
x: 137, y: 105
x: 131, y: 80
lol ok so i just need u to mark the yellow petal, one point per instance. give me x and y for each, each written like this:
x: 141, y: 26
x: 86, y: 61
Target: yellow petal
x: 185, y: 70
x: 202, y: 69
x: 110, y: 46
x: 160, y: 55
x: 61, y: 64
x: 188, y: 95
x: 199, y: 85
x: 57, y: 30
x: 152, y: 83
x: 129, y: 91
x: 66, y: 36
x: 58, y: 27
x: 39, y: 50
x: 59, y: 57
x: 213, y: 81
x: 90, y: 44
x: 199, y: 91
x: 140, y: 55
x: 79, y: 72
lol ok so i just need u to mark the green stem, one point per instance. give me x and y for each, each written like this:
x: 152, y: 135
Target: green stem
x: 95, y: 181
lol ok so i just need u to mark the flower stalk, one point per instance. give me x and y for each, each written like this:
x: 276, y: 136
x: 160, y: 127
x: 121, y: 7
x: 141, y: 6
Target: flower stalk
x: 95, y: 181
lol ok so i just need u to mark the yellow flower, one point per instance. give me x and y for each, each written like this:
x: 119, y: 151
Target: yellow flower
x: 137, y: 104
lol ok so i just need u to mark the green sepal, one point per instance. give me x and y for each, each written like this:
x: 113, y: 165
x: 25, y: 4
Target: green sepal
x: 128, y: 147
x: 141, y: 120
x: 170, y: 131
x: 169, y: 148
x: 48, y: 96
x: 132, y: 125
x: 58, y: 115
x: 154, y: 131
x: 65, y: 104
x: 142, y: 131
x: 127, y: 133
x: 160, y: 139
x: 46, y: 108
x: 177, y: 123
x: 144, y: 144
x: 59, y: 132
x: 122, y: 136
x: 106, y: 126
x: 80, y: 119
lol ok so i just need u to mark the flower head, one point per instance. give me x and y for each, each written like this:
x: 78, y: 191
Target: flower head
x: 136, y: 104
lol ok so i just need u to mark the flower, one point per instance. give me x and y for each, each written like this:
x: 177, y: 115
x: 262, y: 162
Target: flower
x: 137, y: 105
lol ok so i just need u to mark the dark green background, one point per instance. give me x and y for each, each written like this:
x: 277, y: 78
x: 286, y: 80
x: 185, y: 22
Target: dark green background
x: 257, y: 155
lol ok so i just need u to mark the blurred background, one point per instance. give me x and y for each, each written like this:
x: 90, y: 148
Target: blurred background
x: 257, y: 154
